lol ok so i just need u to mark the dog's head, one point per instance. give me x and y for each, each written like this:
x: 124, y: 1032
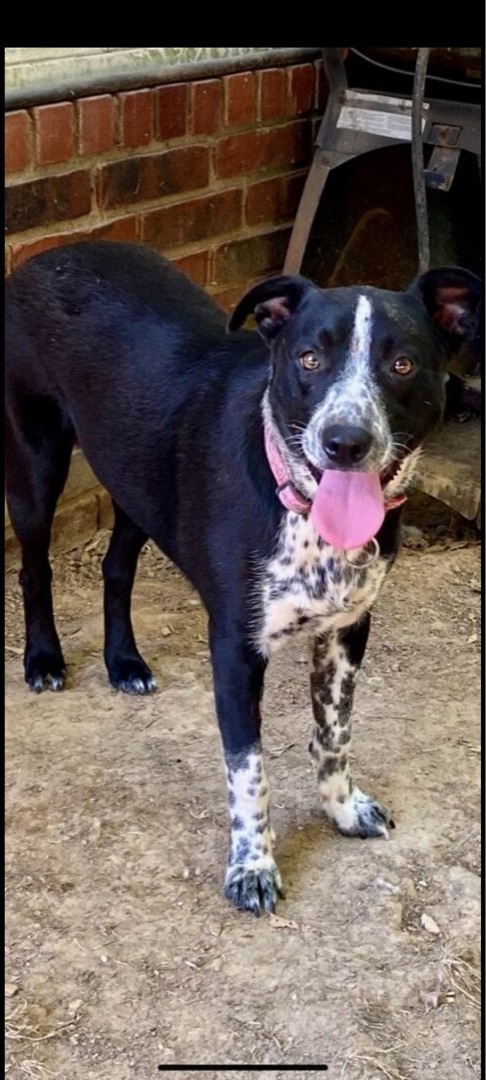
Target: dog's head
x: 358, y: 374
x: 357, y: 379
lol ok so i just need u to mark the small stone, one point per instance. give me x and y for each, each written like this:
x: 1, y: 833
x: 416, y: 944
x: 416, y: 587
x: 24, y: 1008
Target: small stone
x: 382, y: 883
x: 429, y: 924
x: 74, y: 1006
x: 11, y: 989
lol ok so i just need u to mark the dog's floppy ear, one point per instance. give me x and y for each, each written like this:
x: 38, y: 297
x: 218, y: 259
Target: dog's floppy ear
x: 452, y: 297
x: 272, y: 303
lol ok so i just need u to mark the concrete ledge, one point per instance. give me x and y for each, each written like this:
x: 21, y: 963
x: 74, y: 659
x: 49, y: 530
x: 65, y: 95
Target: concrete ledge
x: 450, y: 469
x: 80, y: 480
x: 84, y: 507
x: 52, y: 78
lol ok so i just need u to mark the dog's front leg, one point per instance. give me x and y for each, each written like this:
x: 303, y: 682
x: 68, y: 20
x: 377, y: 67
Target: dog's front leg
x: 252, y: 877
x: 335, y: 662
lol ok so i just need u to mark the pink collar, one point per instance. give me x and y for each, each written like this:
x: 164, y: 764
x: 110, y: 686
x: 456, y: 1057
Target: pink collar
x: 288, y: 494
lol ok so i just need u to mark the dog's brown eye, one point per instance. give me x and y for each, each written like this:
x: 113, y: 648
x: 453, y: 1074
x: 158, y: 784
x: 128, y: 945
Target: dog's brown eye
x: 402, y: 365
x: 310, y: 361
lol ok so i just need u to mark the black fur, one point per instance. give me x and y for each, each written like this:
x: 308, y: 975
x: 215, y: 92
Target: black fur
x: 107, y: 345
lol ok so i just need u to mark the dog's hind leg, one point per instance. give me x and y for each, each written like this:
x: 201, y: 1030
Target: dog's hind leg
x: 38, y: 444
x: 252, y: 877
x: 127, y: 670
x: 335, y: 662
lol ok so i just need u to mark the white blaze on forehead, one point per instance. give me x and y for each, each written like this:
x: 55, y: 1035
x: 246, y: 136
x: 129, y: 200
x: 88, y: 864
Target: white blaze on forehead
x: 353, y: 397
x: 359, y: 354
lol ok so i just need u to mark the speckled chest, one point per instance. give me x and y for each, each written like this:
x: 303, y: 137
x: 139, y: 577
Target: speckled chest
x: 307, y: 585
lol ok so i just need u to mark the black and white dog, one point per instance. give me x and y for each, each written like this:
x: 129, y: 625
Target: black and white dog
x: 271, y: 472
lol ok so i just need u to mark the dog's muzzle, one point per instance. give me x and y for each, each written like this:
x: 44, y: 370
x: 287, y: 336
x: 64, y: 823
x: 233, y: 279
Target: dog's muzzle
x: 293, y: 499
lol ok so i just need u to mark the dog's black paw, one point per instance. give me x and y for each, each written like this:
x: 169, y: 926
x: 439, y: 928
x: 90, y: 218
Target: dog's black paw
x: 44, y: 670
x: 254, y: 889
x: 131, y: 675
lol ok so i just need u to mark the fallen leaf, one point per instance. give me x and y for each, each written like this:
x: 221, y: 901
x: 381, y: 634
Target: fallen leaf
x: 429, y: 924
x: 279, y: 750
x: 277, y: 923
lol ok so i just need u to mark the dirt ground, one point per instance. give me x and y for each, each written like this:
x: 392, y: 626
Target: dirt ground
x: 122, y: 954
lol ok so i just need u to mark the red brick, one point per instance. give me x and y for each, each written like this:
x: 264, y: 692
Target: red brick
x: 136, y: 118
x: 54, y: 125
x: 96, y: 116
x: 273, y: 94
x: 239, y: 98
x: 171, y: 111
x: 301, y: 89
x: 206, y: 106
x: 227, y: 299
x: 272, y: 148
x: 121, y: 229
x: 194, y: 266
x: 273, y: 201
x: 242, y: 260
x: 47, y: 199
x: 152, y: 176
x: 23, y: 251
x: 187, y: 222
x: 17, y: 149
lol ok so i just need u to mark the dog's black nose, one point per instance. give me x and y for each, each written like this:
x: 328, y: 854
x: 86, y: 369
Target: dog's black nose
x: 346, y: 446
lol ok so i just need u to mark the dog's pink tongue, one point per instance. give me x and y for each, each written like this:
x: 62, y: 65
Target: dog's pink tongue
x: 348, y: 508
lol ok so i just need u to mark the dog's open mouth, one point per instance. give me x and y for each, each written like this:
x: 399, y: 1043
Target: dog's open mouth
x: 386, y: 476
x: 389, y: 474
x: 349, y: 508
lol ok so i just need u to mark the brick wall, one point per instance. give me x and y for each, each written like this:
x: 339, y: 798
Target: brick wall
x: 210, y: 173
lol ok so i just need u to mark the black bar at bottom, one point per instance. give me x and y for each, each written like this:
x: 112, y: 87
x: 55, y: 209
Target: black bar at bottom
x: 242, y: 1068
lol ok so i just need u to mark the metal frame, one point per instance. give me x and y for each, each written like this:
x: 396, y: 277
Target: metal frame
x: 449, y: 126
